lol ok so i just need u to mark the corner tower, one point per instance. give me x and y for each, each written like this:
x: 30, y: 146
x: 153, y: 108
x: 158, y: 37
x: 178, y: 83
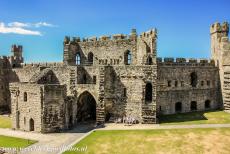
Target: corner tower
x: 220, y: 51
x: 16, y: 58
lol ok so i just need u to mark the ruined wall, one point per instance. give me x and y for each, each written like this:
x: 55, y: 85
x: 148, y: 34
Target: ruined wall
x: 125, y: 92
x: 174, y: 84
x: 53, y: 115
x: 4, y: 85
x: 24, y: 110
x: 111, y: 51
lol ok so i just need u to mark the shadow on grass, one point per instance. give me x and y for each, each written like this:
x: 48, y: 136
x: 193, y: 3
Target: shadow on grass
x: 184, y: 117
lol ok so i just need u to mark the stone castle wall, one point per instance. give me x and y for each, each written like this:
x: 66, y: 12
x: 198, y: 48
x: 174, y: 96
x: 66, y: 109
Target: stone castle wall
x: 24, y: 110
x: 174, y: 85
x: 119, y: 73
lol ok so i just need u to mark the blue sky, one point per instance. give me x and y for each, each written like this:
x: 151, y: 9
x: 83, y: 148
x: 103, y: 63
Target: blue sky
x: 183, y: 25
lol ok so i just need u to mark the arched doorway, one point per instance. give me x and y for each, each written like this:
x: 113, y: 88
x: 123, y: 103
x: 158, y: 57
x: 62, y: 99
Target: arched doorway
x: 31, y: 124
x: 148, y: 92
x: 178, y: 107
x: 193, y: 106
x: 207, y: 104
x: 86, y: 107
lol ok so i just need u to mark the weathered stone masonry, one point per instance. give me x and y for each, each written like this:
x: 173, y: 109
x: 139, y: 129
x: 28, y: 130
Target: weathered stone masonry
x: 103, y: 79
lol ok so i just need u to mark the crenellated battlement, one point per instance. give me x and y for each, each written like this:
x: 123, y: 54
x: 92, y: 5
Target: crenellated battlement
x: 185, y: 61
x: 220, y: 28
x: 16, y: 48
x: 132, y: 36
x: 55, y: 64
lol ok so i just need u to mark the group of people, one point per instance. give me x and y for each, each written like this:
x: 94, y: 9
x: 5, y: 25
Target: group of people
x: 126, y: 120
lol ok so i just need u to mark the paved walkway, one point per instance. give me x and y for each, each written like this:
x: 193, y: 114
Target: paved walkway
x: 51, y: 143
x: 46, y: 142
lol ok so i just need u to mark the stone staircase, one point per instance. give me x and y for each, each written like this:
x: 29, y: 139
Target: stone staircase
x: 148, y: 114
x: 101, y: 95
x: 72, y: 80
x: 226, y: 91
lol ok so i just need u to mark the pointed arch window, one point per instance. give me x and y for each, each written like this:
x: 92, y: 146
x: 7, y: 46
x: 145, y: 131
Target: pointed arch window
x: 149, y: 61
x: 193, y: 79
x: 148, y: 92
x: 25, y: 97
x: 128, y: 57
x: 78, y: 58
x: 90, y: 58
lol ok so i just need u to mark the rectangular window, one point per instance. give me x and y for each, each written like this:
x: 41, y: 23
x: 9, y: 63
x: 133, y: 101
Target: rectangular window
x: 94, y: 79
x: 176, y: 83
x: 125, y: 92
x: 208, y: 83
x: 169, y: 83
x: 202, y: 83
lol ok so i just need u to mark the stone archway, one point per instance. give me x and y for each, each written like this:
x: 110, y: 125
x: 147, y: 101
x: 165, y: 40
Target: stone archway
x: 31, y: 123
x: 86, y: 108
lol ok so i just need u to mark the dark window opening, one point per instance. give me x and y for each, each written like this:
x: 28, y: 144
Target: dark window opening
x: 78, y: 59
x: 202, y: 83
x: 24, y: 120
x: 169, y: 83
x: 160, y: 108
x: 84, y: 80
x: 31, y: 124
x: 193, y: 106
x: 149, y: 61
x: 94, y: 79
x: 25, y: 97
x: 193, y: 79
x: 128, y: 57
x: 148, y: 92
x: 178, y: 107
x: 208, y: 83
x: 125, y: 92
x: 207, y: 104
x: 176, y: 83
x: 90, y: 58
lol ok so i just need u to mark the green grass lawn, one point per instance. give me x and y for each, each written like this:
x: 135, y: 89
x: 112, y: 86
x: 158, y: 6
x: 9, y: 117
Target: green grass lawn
x: 6, y: 141
x: 208, y: 117
x: 5, y: 122
x: 175, y: 141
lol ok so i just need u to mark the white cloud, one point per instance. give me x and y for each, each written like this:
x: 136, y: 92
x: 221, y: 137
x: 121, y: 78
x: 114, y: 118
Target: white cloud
x: 18, y: 24
x: 36, y: 25
x: 43, y: 24
x: 22, y: 28
x: 17, y: 29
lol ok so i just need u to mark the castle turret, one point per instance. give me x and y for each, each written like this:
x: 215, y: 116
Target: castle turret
x: 220, y: 47
x: 16, y: 58
x: 147, y: 48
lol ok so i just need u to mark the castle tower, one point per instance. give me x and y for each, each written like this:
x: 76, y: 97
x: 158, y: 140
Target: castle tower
x: 16, y: 58
x: 220, y: 51
x: 147, y: 48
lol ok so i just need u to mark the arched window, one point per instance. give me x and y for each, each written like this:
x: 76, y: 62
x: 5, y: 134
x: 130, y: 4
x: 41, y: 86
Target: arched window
x: 78, y: 58
x: 128, y: 57
x: 193, y: 79
x: 207, y: 104
x: 193, y: 106
x: 148, y: 92
x: 149, y: 61
x: 25, y: 97
x: 31, y: 124
x: 178, y: 107
x: 90, y: 58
